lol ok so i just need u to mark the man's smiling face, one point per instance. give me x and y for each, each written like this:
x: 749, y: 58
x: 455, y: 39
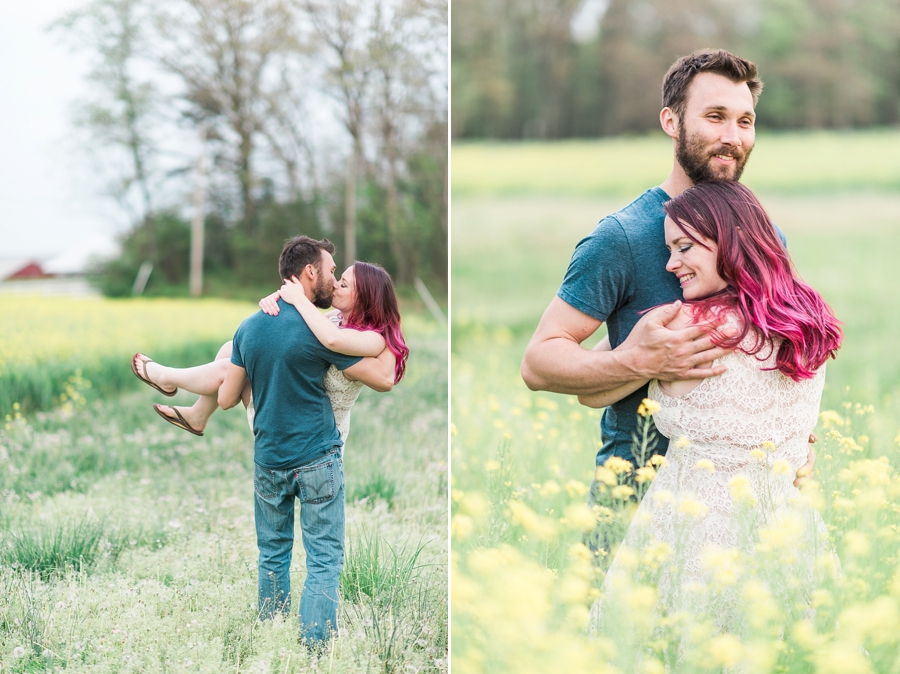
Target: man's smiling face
x: 716, y: 133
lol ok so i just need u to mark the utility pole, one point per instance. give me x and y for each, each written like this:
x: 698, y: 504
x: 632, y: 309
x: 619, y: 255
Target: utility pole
x: 197, y: 224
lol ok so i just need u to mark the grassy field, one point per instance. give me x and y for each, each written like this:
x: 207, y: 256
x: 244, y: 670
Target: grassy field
x: 522, y: 462
x: 789, y: 163
x: 127, y: 545
x: 50, y: 346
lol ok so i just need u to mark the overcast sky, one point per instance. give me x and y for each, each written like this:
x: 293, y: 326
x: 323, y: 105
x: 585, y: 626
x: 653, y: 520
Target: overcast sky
x: 51, y: 192
x: 49, y: 202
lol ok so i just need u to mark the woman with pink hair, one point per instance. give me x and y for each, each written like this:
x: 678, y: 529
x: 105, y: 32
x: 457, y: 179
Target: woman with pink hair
x: 737, y: 440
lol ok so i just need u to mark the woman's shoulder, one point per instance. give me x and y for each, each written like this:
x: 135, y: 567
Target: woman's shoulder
x: 724, y: 318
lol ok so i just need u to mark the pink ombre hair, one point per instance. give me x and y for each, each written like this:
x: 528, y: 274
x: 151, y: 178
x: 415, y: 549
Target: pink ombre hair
x: 376, y: 309
x: 763, y: 288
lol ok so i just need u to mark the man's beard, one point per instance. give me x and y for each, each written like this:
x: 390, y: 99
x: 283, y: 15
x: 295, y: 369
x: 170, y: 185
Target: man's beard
x: 694, y: 158
x: 322, y: 292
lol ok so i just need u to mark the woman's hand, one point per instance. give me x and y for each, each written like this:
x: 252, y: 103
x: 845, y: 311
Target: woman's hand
x: 269, y: 304
x: 292, y: 292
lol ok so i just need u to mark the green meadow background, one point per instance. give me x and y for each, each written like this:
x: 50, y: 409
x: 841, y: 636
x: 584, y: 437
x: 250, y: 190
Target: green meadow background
x: 128, y: 545
x: 521, y: 461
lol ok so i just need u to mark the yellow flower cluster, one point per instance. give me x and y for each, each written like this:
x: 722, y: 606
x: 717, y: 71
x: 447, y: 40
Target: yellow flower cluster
x: 648, y: 407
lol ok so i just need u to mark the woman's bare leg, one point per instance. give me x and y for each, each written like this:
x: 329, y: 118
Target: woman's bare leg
x: 202, y: 379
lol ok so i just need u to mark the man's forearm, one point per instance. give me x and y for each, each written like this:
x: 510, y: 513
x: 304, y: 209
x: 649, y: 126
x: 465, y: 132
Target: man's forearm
x: 563, y: 366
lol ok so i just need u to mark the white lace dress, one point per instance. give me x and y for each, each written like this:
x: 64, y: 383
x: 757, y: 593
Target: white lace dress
x: 342, y: 393
x: 689, y: 514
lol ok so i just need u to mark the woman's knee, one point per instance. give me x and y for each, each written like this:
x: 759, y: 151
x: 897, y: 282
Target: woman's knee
x: 225, y: 351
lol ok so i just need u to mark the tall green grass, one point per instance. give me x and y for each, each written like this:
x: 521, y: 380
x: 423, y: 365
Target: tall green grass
x: 128, y: 544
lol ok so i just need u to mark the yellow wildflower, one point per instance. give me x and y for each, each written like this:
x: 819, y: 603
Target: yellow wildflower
x: 655, y: 554
x: 831, y: 418
x: 692, y: 507
x: 475, y: 505
x: 618, y: 465
x: 725, y: 650
x: 657, y: 460
x: 550, y: 488
x: 758, y: 454
x: 648, y: 407
x: 605, y: 476
x: 575, y: 488
x: 821, y: 598
x: 841, y: 657
x: 644, y: 474
x: 782, y: 534
x: 663, y: 496
x: 857, y: 543
x: 580, y: 516
x: 781, y: 467
x: 461, y: 527
x: 542, y: 528
x: 682, y: 442
x: 491, y: 465
x: 623, y: 491
x: 723, y: 563
x: 741, y: 490
x: 705, y: 464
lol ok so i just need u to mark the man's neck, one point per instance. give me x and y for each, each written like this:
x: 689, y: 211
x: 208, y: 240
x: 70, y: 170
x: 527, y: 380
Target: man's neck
x: 308, y: 289
x: 677, y: 182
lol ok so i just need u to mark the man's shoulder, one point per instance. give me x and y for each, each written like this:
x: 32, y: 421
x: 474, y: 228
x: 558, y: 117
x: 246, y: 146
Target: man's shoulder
x: 262, y: 324
x: 620, y: 231
x: 254, y: 322
x: 645, y: 212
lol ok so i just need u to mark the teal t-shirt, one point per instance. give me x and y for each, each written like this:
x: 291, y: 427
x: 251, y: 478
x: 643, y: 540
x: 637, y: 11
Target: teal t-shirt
x: 294, y: 423
x: 616, y: 273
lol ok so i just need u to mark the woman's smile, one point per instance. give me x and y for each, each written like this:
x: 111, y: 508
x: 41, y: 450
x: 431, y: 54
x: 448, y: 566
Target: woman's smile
x: 693, y: 262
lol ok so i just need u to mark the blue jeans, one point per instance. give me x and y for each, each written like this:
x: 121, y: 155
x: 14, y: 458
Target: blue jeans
x: 320, y: 488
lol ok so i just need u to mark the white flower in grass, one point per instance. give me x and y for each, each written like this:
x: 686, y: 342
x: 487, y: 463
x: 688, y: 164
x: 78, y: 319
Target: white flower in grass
x: 18, y: 652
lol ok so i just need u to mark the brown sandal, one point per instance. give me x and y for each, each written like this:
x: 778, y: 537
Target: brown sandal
x: 179, y: 422
x: 144, y: 378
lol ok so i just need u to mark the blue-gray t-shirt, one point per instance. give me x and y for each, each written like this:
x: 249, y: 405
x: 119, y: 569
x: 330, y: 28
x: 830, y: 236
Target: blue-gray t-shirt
x: 294, y: 423
x: 616, y: 273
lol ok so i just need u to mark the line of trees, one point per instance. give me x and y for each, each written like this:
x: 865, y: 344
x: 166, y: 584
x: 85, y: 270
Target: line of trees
x: 323, y: 117
x: 581, y: 68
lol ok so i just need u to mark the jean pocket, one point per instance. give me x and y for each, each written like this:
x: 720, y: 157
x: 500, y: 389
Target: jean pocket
x: 264, y: 482
x: 316, y: 483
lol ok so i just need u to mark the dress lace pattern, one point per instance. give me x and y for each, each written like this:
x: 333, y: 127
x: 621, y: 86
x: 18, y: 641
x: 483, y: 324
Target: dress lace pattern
x: 715, y: 492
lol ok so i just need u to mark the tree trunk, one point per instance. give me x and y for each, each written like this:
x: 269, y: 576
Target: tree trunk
x: 393, y: 210
x: 350, y: 207
x: 196, y: 275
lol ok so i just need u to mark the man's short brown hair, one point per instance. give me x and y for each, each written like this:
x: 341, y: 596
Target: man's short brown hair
x: 301, y: 251
x: 717, y: 61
